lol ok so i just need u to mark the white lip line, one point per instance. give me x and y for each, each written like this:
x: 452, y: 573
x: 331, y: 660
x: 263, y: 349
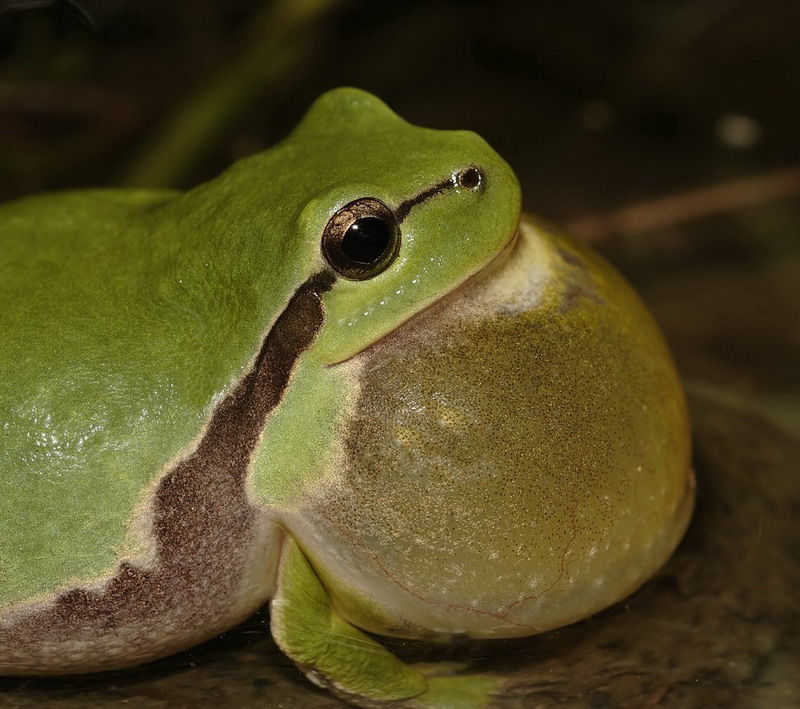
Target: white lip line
x: 499, y: 257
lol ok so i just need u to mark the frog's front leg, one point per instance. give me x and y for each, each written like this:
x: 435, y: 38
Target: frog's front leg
x: 337, y: 655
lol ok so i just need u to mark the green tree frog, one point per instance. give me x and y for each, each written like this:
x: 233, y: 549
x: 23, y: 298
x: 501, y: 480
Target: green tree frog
x: 344, y: 377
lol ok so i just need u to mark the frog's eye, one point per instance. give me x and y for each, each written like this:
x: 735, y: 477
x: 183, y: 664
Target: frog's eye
x: 361, y: 239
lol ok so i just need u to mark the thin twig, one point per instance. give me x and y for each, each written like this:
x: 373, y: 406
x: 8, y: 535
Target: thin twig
x: 686, y: 206
x: 49, y: 100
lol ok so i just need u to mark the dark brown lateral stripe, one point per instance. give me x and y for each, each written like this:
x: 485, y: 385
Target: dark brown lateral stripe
x: 405, y: 207
x: 235, y: 427
x: 207, y: 533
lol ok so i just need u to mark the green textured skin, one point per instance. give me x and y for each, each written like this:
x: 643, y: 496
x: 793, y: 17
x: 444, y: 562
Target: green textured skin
x: 127, y: 315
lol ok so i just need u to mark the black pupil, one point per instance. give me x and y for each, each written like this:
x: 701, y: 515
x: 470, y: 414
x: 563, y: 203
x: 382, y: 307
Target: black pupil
x: 366, y: 239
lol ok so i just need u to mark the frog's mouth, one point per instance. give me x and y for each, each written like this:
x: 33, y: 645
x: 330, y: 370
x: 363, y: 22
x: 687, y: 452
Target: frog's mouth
x: 457, y: 294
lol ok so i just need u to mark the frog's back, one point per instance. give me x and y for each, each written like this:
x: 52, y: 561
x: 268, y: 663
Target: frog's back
x: 64, y: 335
x: 106, y: 389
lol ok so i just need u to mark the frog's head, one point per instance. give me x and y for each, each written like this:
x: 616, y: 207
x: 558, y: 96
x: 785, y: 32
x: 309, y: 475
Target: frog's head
x: 400, y: 215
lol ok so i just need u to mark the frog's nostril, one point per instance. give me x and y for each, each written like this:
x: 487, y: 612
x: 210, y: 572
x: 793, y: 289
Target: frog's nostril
x: 471, y: 178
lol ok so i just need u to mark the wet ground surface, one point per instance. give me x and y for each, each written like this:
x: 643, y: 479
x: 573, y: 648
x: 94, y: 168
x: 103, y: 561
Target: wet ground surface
x: 597, y: 110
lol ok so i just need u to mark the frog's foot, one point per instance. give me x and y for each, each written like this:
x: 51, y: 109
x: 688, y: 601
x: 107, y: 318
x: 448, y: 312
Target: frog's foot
x: 336, y: 655
x: 455, y: 692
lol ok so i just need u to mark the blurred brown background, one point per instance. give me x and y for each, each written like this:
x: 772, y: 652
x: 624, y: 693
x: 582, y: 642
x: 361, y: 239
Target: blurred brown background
x: 663, y: 131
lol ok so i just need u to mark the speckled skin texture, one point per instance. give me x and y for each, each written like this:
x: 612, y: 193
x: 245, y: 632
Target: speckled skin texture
x: 517, y: 458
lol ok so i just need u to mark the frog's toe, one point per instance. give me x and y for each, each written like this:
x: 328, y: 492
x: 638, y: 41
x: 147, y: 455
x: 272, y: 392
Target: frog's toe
x: 457, y: 692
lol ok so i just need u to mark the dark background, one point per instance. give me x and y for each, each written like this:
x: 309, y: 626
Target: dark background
x: 665, y: 132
